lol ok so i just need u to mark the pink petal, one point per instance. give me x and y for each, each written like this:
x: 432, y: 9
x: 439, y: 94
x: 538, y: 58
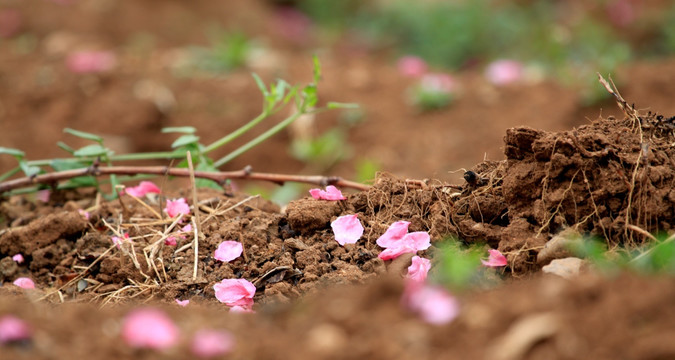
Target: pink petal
x: 496, y: 259
x: 145, y: 187
x: 437, y: 82
x: 418, y: 270
x: 228, y: 251
x: 149, y: 328
x: 186, y: 228
x: 235, y: 292
x: 18, y: 258
x: 117, y: 241
x: 504, y: 72
x: 83, y: 62
x: 331, y: 193
x: 347, y: 229
x: 13, y: 329
x: 419, y: 240
x: 211, y: 343
x: 182, y: 303
x: 24, y: 283
x: 396, y: 251
x: 84, y: 213
x: 177, y: 206
x: 170, y: 241
x: 394, y: 233
x: 412, y: 66
x: 434, y: 304
x: 43, y: 195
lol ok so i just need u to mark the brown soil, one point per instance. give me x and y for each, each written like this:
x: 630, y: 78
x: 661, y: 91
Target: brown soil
x: 611, y: 177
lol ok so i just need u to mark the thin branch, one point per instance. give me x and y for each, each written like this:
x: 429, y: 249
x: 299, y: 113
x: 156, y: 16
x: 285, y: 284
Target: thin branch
x: 219, y: 177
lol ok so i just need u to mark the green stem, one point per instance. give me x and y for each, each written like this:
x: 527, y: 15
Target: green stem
x: 9, y: 174
x: 262, y: 137
x: 235, y: 134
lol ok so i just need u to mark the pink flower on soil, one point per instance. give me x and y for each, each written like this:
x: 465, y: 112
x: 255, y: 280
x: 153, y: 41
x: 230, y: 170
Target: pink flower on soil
x: 212, y: 343
x: 397, y: 241
x: 84, y: 213
x: 228, y: 251
x: 235, y: 292
x: 117, y: 241
x: 186, y: 228
x: 177, y: 206
x: 24, y: 283
x: 18, y: 258
x: 43, y: 195
x: 496, y: 259
x: 504, y: 72
x: 149, y: 328
x: 394, y: 234
x: 412, y: 66
x: 145, y: 187
x: 85, y: 62
x: 170, y: 241
x: 13, y: 329
x: 433, y: 304
x: 331, y: 193
x: 418, y: 270
x: 182, y: 303
x: 347, y: 229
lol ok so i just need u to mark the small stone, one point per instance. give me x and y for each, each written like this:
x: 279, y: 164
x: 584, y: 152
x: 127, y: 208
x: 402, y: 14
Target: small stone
x: 559, y: 247
x: 566, y: 268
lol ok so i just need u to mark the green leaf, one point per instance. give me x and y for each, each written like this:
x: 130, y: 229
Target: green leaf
x: 185, y: 140
x: 91, y: 150
x: 65, y: 147
x: 179, y: 129
x: 63, y: 164
x: 13, y: 152
x: 202, y: 183
x: 338, y: 105
x: 317, y: 69
x: 310, y: 94
x: 28, y: 169
x: 84, y: 135
x: 82, y: 181
x: 261, y: 84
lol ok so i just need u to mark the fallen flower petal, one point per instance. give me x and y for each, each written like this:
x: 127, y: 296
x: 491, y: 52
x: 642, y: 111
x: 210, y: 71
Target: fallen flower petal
x: 119, y: 240
x: 84, y: 213
x: 434, y: 304
x: 347, y: 229
x: 18, y: 258
x: 235, y: 292
x: 412, y: 66
x: 83, y: 62
x: 145, y: 187
x: 182, y: 303
x: 418, y: 270
x: 418, y: 240
x: 331, y: 193
x: 149, y: 328
x: 211, y: 343
x: 186, y: 228
x: 409, y: 243
x: 170, y: 241
x: 177, y: 206
x: 394, y: 233
x: 43, y: 195
x: 504, y: 72
x: 13, y: 329
x: 394, y: 252
x: 24, y: 283
x: 496, y: 259
x: 228, y: 251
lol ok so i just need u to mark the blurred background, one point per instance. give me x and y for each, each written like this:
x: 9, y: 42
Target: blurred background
x: 438, y: 82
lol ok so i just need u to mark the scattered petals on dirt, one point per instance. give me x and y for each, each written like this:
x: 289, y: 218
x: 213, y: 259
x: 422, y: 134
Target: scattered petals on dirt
x: 183, y: 303
x: 170, y: 241
x: 419, y: 269
x: 228, y: 251
x: 24, y: 283
x: 410, y: 243
x: 394, y: 233
x: 186, y: 228
x: 144, y: 187
x: 119, y: 240
x: 13, y: 329
x: 18, y: 258
x: 43, y: 195
x: 347, y: 229
x: 434, y: 304
x: 149, y: 328
x: 331, y: 193
x: 496, y: 259
x: 412, y: 66
x: 212, y: 343
x: 235, y: 292
x: 85, y: 214
x: 85, y: 62
x: 177, y: 206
